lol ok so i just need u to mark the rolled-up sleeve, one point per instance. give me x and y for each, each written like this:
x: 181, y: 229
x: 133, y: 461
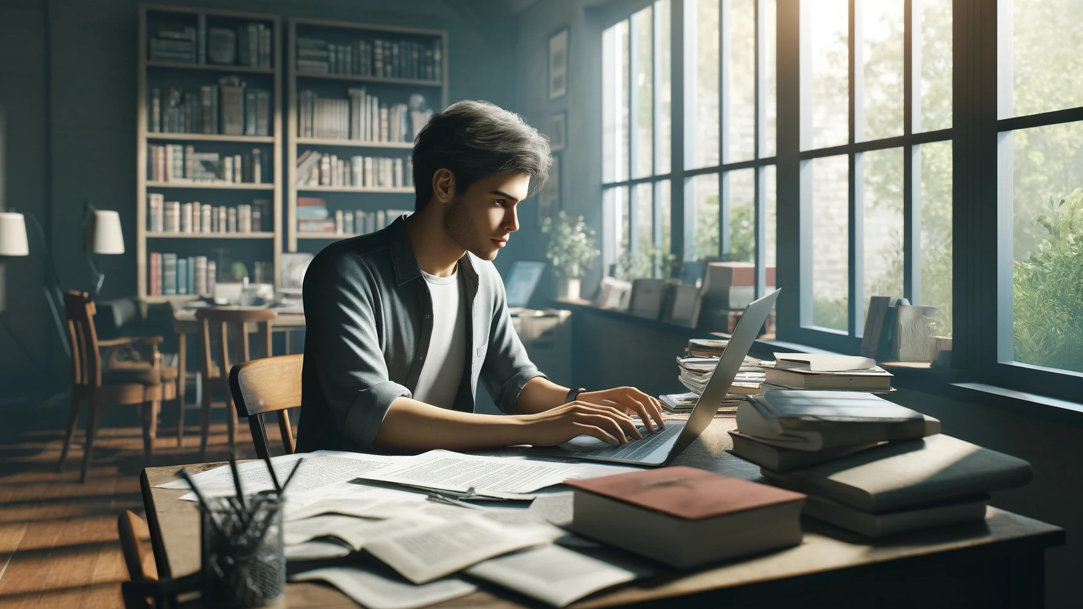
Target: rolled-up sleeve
x: 343, y: 312
x: 507, y: 367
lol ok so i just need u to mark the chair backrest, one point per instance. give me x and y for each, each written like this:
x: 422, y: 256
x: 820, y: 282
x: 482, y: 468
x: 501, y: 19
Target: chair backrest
x: 263, y: 386
x: 85, y: 357
x: 229, y: 325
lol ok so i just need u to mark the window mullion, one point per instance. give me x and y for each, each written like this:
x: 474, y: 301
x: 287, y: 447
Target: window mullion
x: 633, y: 217
x: 856, y: 191
x: 911, y: 203
x: 724, y: 232
x: 759, y: 111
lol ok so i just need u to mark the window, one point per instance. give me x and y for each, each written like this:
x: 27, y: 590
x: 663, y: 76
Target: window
x: 716, y: 177
x: 874, y: 164
x: 1040, y: 190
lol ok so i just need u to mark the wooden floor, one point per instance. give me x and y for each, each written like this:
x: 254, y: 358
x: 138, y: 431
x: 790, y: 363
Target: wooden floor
x: 58, y: 537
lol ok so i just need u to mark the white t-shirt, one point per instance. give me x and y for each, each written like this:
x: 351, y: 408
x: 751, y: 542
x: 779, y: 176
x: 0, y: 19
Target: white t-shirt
x: 443, y: 368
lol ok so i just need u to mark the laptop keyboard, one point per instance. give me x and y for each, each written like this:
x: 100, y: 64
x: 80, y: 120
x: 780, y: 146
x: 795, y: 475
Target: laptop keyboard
x: 636, y: 449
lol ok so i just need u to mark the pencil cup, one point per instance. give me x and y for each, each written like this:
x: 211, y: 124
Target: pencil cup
x: 241, y: 546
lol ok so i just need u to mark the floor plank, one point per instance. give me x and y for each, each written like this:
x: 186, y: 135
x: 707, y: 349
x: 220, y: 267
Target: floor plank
x: 58, y: 537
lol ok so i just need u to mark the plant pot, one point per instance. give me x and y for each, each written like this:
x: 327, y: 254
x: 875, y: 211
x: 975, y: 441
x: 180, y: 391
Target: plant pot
x: 568, y: 288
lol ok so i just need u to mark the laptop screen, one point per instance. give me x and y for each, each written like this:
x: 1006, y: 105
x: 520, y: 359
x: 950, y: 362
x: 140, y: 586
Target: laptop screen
x: 521, y: 281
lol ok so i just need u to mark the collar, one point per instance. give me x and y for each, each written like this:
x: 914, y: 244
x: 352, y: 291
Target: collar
x: 405, y: 262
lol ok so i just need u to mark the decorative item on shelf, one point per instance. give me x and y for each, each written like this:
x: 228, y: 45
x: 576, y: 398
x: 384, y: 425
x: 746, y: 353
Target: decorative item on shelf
x: 104, y: 237
x: 570, y: 251
x: 558, y: 130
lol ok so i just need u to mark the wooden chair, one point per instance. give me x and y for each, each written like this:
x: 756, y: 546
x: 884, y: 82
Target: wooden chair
x: 145, y: 590
x: 263, y: 386
x: 220, y: 326
x: 122, y: 381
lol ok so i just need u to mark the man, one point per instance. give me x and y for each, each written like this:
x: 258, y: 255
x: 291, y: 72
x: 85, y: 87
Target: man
x: 403, y: 322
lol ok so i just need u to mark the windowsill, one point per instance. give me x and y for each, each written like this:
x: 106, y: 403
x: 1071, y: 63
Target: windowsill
x: 917, y: 376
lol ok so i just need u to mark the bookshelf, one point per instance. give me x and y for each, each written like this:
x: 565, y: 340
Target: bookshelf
x: 356, y: 95
x: 208, y: 150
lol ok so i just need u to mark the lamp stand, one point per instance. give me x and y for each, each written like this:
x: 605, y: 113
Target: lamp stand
x: 51, y: 287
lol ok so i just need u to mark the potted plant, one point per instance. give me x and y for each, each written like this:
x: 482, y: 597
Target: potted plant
x: 570, y: 250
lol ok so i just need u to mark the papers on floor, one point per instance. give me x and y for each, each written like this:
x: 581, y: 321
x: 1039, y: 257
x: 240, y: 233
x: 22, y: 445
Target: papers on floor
x: 376, y: 591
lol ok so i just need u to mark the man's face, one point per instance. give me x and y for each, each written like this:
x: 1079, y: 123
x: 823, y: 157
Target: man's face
x: 481, y: 219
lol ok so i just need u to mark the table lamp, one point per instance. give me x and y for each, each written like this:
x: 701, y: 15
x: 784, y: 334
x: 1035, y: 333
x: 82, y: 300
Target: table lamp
x: 13, y: 235
x: 104, y: 236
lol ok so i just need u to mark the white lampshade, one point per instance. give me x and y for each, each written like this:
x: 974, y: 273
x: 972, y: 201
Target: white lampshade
x: 105, y: 236
x: 13, y: 235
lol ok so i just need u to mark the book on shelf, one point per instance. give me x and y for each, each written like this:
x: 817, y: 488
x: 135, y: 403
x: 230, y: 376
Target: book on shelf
x: 683, y: 516
x: 903, y: 475
x: 646, y: 298
x: 782, y: 459
x: 247, y: 44
x: 816, y: 420
x: 369, y: 56
x: 868, y: 524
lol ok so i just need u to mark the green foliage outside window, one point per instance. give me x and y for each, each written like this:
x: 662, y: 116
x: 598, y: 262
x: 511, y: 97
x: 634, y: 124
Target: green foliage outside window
x: 570, y: 248
x: 1048, y: 292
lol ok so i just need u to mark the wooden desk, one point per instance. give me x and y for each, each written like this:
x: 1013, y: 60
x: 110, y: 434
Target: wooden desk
x: 184, y: 323
x: 998, y: 563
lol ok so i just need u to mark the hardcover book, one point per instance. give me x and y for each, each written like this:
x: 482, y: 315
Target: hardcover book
x: 902, y: 475
x: 683, y: 517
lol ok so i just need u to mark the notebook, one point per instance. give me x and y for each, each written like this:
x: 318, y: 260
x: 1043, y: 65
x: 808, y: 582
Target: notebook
x: 662, y: 446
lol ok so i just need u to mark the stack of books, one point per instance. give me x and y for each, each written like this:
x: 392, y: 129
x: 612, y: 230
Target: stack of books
x: 827, y: 371
x: 868, y: 465
x: 695, y: 370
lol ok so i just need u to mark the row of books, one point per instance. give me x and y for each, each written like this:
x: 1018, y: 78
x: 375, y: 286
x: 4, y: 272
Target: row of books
x: 360, y: 117
x: 229, y: 108
x: 314, y: 217
x: 868, y: 465
x: 246, y: 44
x: 172, y: 274
x: 182, y: 163
x: 316, y: 168
x: 196, y: 217
x: 376, y: 57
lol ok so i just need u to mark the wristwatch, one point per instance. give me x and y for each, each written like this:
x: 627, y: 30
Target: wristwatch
x: 573, y: 394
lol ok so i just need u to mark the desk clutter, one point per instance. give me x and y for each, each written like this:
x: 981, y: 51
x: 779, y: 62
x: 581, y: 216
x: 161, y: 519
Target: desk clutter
x: 868, y: 465
x: 695, y: 368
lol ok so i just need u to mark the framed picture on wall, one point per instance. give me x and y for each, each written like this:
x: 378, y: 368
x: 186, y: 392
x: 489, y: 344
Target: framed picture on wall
x: 558, y: 130
x: 558, y: 64
x: 549, y: 195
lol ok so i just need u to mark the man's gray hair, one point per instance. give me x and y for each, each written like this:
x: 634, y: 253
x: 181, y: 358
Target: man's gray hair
x: 474, y: 140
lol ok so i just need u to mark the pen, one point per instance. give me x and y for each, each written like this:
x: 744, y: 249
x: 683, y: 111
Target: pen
x: 441, y: 498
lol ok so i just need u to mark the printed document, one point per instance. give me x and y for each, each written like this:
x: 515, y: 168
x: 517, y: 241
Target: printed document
x: 375, y: 591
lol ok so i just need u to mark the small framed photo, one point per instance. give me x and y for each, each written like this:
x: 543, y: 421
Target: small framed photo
x: 549, y: 195
x: 558, y: 130
x: 558, y: 64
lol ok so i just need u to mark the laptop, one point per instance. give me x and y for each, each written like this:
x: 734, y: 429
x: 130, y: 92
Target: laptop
x: 521, y: 280
x: 663, y: 446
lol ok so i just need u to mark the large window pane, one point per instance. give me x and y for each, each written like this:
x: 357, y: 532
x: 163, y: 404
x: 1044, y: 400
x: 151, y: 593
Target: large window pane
x: 702, y: 193
x: 644, y: 206
x: 770, y: 203
x: 932, y: 64
x: 703, y: 83
x: 934, y: 198
x: 830, y: 227
x: 1047, y: 201
x: 882, y: 221
x: 739, y: 92
x: 662, y: 195
x: 643, y: 91
x: 882, y: 69
x: 740, y: 189
x: 825, y: 26
x: 663, y: 118
x: 615, y: 103
x: 1046, y: 60
x: 617, y: 200
x: 767, y: 130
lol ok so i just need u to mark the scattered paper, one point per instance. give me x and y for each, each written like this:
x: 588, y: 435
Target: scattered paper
x: 316, y: 550
x: 376, y: 591
x: 356, y: 532
x: 534, y: 572
x: 501, y: 476
x: 433, y: 551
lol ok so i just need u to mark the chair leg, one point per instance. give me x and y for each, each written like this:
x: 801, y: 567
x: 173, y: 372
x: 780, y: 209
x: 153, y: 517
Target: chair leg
x: 150, y: 419
x: 91, y: 433
x: 180, y: 418
x: 205, y: 427
x: 73, y: 420
x: 231, y: 422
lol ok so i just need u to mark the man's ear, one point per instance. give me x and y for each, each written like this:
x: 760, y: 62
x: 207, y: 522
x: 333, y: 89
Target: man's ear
x: 443, y: 185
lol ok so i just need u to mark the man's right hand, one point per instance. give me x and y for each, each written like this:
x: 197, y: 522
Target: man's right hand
x: 560, y: 424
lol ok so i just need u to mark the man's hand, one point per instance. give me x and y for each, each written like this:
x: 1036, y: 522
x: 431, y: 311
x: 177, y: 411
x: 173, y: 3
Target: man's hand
x: 629, y: 400
x: 579, y: 418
